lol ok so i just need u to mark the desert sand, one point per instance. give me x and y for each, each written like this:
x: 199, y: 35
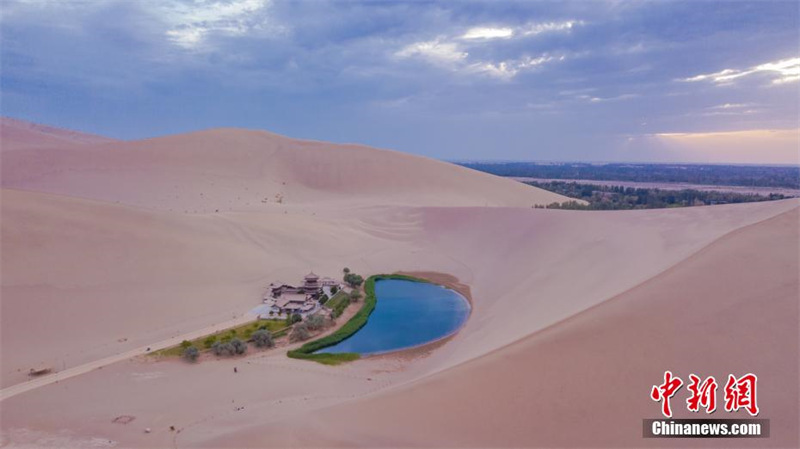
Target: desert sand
x: 112, y: 246
x: 20, y: 135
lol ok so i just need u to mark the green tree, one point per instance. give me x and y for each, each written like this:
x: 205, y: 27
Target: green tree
x: 354, y: 280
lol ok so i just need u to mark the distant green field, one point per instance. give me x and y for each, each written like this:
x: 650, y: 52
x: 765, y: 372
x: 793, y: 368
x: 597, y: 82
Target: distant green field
x: 244, y: 331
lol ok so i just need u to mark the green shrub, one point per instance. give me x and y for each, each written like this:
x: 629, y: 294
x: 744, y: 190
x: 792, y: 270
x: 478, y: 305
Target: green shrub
x: 209, y: 341
x: 299, y: 333
x: 338, y: 303
x: 263, y: 339
x: 239, y: 347
x: 232, y: 347
x: 316, y: 322
x: 191, y: 353
x: 220, y: 348
x: 185, y: 344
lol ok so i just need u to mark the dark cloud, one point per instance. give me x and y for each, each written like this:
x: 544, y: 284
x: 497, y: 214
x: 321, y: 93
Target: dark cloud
x: 534, y: 80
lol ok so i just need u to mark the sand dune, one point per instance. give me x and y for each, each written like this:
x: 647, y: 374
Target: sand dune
x: 232, y: 170
x: 103, y: 254
x: 20, y: 135
x: 732, y: 308
x: 84, y: 280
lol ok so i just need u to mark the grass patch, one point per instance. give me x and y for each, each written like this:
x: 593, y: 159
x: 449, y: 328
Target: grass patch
x: 338, y: 303
x: 278, y: 329
x: 358, y: 321
x: 332, y: 359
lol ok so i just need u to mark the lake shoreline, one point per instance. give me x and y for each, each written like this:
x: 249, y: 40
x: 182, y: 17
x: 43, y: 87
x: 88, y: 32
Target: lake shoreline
x: 441, y: 280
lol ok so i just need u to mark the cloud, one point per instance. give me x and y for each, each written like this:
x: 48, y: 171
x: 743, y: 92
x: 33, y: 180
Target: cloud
x: 185, y: 23
x: 510, y: 68
x: 782, y: 71
x: 321, y: 69
x: 436, y: 51
x: 488, y: 33
x: 191, y: 24
x: 606, y: 99
x: 452, y: 56
x: 531, y: 29
x: 451, y: 51
x: 732, y: 106
x: 730, y: 109
x: 539, y: 28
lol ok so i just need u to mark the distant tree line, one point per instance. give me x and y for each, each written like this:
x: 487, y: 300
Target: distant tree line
x: 706, y: 174
x: 622, y: 198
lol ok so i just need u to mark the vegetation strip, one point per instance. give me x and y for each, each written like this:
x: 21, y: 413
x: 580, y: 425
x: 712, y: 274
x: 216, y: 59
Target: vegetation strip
x: 604, y: 197
x: 278, y: 328
x: 707, y: 174
x: 351, y: 327
x: 338, y: 303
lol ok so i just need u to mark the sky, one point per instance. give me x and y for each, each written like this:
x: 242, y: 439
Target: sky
x: 698, y: 81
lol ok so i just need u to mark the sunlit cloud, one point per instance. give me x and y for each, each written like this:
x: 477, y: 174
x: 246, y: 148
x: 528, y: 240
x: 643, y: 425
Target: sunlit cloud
x: 728, y: 106
x: 607, y: 99
x: 451, y: 56
x: 730, y: 109
x: 783, y: 71
x: 488, y: 33
x: 510, y: 68
x: 539, y: 28
x: 191, y: 24
x: 436, y: 51
x: 505, y: 32
x: 451, y: 51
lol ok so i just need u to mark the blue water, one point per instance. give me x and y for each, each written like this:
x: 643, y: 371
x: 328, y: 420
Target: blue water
x: 407, y: 314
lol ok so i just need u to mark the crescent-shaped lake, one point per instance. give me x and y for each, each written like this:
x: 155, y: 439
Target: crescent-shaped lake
x: 407, y: 314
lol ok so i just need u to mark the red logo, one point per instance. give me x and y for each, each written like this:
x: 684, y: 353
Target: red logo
x: 665, y: 392
x: 739, y: 393
x: 704, y: 394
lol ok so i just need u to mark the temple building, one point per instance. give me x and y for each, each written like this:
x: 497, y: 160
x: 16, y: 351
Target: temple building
x: 292, y: 303
x: 311, y: 284
x: 287, y: 299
